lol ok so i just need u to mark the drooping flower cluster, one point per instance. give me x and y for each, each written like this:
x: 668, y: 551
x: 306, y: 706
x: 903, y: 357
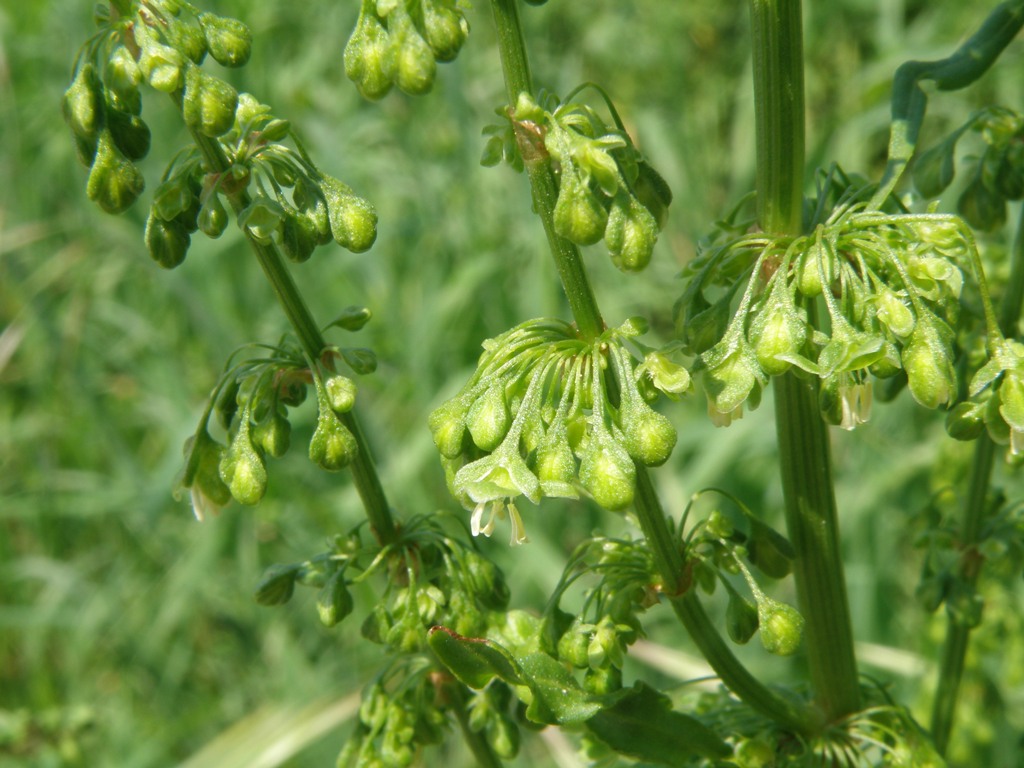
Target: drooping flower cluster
x: 278, y: 193
x: 889, y: 284
x: 549, y: 414
x: 606, y: 189
x: 400, y: 42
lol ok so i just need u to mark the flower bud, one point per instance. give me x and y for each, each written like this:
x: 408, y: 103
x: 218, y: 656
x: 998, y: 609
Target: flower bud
x: 261, y: 219
x: 607, y: 472
x: 731, y: 376
x: 573, y: 646
x: 242, y: 468
x: 83, y: 103
x: 273, y: 435
x: 334, y: 602
x: 333, y: 447
x: 205, y: 478
x: 166, y: 241
x: 781, y: 626
x: 299, y: 237
x: 555, y: 467
x: 630, y: 234
x: 448, y: 426
x: 341, y: 393
x: 444, y: 28
x: 310, y: 200
x: 777, y: 333
x: 114, y: 180
x: 162, y: 66
x: 579, y: 214
x: 1011, y: 408
x: 122, y: 73
x: 277, y: 584
x: 209, y: 103
x: 929, y: 366
x: 966, y: 421
x: 809, y: 269
x: 130, y: 133
x: 353, y: 220
x: 415, y: 67
x: 229, y: 40
x: 172, y: 198
x: 185, y: 35
x: 489, y: 418
x: 894, y: 314
x: 653, y: 192
x: 650, y: 436
x: 370, y: 55
x: 213, y: 218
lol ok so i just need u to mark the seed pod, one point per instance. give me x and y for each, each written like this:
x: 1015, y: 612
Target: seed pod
x: 162, y: 66
x: 489, y: 418
x: 83, y: 104
x: 229, y: 40
x: 579, y: 214
x: 242, y: 467
x: 370, y: 55
x: 928, y: 362
x: 353, y: 220
x: 333, y: 447
x: 415, y: 67
x: 114, y: 181
x: 781, y: 626
x: 277, y: 584
x: 166, y: 241
x: 213, y: 218
x: 310, y: 201
x: 607, y: 472
x: 444, y: 28
x: 649, y: 435
x: 334, y: 602
x: 209, y: 103
x: 447, y: 424
x: 630, y: 234
x: 341, y: 393
x: 130, y: 133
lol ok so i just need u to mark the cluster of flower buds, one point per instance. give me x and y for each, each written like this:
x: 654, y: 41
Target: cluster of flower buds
x: 161, y: 43
x: 400, y: 42
x: 547, y: 414
x: 889, y: 283
x: 998, y: 173
x: 717, y: 548
x: 251, y: 403
x: 606, y: 189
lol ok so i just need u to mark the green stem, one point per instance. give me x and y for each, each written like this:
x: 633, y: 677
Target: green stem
x: 364, y: 472
x: 954, y: 652
x: 804, y: 456
x: 653, y: 522
x: 568, y: 261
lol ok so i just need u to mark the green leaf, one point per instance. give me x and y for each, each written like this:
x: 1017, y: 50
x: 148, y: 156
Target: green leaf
x: 557, y: 697
x: 474, y: 661
x: 643, y: 725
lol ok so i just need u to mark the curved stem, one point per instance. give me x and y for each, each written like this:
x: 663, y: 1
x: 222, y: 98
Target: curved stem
x: 804, y: 456
x: 954, y: 652
x: 364, y: 472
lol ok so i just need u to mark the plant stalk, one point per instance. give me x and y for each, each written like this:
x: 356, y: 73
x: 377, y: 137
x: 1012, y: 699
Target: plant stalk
x: 364, y: 471
x: 568, y: 262
x: 664, y: 545
x: 804, y: 455
x: 954, y: 651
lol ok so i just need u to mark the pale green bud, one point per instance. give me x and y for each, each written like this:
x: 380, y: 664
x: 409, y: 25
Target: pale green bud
x: 229, y: 40
x: 489, y: 418
x: 333, y: 447
x: 114, y: 181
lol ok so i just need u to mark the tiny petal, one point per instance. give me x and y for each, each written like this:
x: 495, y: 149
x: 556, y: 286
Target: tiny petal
x: 518, y: 529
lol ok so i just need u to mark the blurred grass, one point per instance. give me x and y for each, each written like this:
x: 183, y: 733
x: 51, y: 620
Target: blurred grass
x: 128, y: 636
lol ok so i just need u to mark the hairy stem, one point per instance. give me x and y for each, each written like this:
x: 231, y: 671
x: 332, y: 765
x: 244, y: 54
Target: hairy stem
x: 364, y: 472
x: 804, y: 455
x: 954, y: 652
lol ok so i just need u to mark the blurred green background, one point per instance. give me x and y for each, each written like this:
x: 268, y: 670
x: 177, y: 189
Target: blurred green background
x: 128, y: 634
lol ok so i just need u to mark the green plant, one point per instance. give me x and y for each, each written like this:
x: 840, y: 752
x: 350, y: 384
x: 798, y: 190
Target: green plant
x: 818, y: 295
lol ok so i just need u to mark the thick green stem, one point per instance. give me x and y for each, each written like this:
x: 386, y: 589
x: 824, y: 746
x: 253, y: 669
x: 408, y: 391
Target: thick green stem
x: 954, y: 653
x: 567, y: 257
x: 664, y: 546
x: 364, y: 472
x: 804, y: 456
